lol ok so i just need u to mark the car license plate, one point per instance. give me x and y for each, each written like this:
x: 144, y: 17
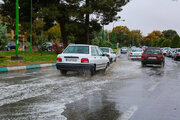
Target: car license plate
x: 71, y: 59
x: 153, y: 58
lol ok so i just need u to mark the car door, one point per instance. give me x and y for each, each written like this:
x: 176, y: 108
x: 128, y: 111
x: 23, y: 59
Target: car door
x: 95, y: 57
x: 113, y: 54
x: 102, y: 62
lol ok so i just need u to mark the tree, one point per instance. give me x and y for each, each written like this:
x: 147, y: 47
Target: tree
x: 137, y: 37
x: 99, y: 41
x: 169, y: 34
x: 104, y: 12
x: 4, y: 39
x: 175, y: 41
x: 54, y: 33
x: 38, y: 26
x: 154, y: 43
x: 166, y: 43
x: 155, y: 35
x: 85, y: 15
x: 159, y: 42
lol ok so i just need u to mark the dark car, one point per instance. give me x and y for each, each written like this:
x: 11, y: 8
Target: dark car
x: 10, y: 46
x: 152, y: 55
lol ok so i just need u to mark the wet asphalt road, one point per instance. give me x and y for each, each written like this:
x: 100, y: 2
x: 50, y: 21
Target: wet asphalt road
x: 125, y: 92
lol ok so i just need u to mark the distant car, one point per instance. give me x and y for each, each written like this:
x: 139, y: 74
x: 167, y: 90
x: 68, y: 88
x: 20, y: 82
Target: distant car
x: 109, y: 53
x: 135, y: 53
x: 173, y: 53
x: 165, y: 50
x: 144, y: 47
x: 124, y: 50
x: 47, y: 46
x: 10, y: 46
x: 177, y: 54
x: 169, y: 52
x: 80, y: 57
x: 152, y: 55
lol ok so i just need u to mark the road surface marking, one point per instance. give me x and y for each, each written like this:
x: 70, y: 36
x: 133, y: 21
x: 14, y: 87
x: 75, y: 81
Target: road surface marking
x: 152, y: 88
x: 129, y: 113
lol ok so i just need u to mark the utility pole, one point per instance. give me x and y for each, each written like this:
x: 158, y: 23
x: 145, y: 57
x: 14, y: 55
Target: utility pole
x: 17, y: 26
x: 31, y: 30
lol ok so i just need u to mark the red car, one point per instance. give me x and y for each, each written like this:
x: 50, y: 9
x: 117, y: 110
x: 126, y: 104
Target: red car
x: 152, y: 55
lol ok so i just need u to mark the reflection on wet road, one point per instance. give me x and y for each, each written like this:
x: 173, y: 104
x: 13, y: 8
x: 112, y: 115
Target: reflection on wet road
x: 125, y: 92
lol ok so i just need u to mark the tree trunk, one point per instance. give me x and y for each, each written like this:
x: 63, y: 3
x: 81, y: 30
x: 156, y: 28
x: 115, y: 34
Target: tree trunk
x: 87, y: 24
x: 63, y: 33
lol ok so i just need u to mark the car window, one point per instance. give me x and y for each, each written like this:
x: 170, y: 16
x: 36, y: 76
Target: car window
x: 105, y: 50
x: 111, y: 51
x: 124, y: 47
x: 99, y: 51
x: 152, y: 51
x: 137, y: 50
x: 178, y: 50
x: 94, y: 51
x: 77, y: 49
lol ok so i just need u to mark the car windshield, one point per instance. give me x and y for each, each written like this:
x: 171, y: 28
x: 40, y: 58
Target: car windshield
x: 11, y: 44
x: 152, y: 51
x: 137, y: 50
x: 124, y: 47
x: 77, y: 49
x: 105, y: 49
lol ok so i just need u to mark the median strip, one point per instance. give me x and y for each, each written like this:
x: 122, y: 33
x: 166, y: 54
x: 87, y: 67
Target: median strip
x: 7, y: 69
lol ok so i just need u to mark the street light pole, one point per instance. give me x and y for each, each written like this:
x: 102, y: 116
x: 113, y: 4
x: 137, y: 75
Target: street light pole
x: 17, y: 26
x: 31, y: 30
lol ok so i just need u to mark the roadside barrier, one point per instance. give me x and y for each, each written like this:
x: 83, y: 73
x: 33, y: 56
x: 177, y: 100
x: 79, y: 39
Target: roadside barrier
x: 7, y: 69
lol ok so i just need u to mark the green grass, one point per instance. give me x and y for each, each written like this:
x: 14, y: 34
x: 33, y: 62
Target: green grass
x: 28, y: 57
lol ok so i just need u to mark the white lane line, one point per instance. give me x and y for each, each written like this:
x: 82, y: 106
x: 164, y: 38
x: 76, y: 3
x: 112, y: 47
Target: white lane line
x: 129, y: 113
x: 152, y: 88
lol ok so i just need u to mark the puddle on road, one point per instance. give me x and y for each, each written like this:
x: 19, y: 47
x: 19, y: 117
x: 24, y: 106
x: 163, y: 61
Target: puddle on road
x: 93, y: 107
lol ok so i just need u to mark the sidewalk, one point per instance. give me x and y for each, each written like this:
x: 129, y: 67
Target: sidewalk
x: 7, y: 69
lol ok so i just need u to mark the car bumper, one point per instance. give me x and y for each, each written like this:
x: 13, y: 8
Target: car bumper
x: 123, y: 52
x: 134, y: 57
x: 177, y: 57
x: 73, y: 67
x: 152, y: 61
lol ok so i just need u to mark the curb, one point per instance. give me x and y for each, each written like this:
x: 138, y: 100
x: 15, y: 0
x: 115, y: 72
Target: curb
x: 7, y: 69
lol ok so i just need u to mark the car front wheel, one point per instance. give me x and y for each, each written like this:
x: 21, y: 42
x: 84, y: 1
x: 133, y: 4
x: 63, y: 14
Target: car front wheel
x: 143, y: 64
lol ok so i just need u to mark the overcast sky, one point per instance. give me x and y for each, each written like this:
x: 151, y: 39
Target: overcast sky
x: 149, y: 15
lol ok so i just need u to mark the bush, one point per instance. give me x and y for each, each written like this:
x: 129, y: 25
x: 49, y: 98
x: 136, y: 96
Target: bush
x: 107, y: 44
x: 41, y: 41
x: 58, y: 48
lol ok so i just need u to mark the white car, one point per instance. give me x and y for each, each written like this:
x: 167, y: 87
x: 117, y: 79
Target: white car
x: 165, y: 50
x: 124, y: 50
x: 177, y: 54
x: 109, y: 53
x: 136, y: 53
x: 78, y: 57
